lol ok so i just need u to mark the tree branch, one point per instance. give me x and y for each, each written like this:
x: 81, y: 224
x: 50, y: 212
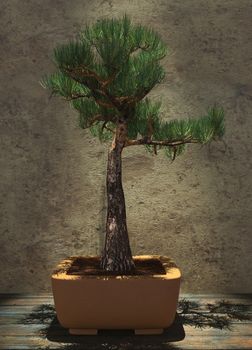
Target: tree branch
x: 74, y: 97
x: 105, y: 126
x: 130, y: 100
x: 147, y: 141
x: 135, y: 48
x: 111, y: 130
x: 85, y: 72
x: 104, y: 104
x: 99, y: 102
x: 96, y: 117
x: 106, y: 82
x: 110, y: 79
x: 150, y: 128
x: 174, y: 153
x: 116, y: 102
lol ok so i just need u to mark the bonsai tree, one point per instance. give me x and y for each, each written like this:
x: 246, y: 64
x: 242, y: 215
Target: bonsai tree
x: 106, y: 74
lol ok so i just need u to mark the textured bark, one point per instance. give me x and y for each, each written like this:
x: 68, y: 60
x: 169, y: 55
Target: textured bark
x: 117, y: 256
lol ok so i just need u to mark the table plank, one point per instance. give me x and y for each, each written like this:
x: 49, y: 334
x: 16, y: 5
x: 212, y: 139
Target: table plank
x: 204, y: 299
x: 189, y: 343
x: 36, y: 329
x: 17, y: 334
x: 25, y: 301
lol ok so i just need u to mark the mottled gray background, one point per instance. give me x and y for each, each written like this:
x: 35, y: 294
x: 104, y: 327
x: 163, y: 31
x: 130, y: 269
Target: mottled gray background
x: 196, y: 210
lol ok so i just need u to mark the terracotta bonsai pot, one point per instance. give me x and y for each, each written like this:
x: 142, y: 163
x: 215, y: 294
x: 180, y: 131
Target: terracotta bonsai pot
x: 146, y: 303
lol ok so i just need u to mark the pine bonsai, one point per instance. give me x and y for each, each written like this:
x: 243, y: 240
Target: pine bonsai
x: 105, y: 74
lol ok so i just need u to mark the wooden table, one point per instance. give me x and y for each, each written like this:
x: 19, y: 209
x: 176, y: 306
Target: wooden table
x: 202, y: 322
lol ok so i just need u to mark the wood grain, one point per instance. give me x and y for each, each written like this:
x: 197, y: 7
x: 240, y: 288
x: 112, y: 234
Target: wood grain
x: 30, y: 322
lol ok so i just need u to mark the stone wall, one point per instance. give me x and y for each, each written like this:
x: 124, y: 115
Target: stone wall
x: 53, y: 201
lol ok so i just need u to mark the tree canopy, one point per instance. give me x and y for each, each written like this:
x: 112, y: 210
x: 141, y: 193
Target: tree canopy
x: 106, y: 73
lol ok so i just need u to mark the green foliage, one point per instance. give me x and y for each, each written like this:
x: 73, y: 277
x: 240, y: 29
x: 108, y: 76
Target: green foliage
x: 87, y: 110
x: 144, y: 110
x: 115, y: 39
x: 109, y: 47
x: 114, y: 42
x: 173, y: 152
x: 61, y: 85
x: 202, y: 130
x: 73, y: 54
x: 139, y: 74
x: 127, y: 57
x: 102, y: 133
x: 110, y: 38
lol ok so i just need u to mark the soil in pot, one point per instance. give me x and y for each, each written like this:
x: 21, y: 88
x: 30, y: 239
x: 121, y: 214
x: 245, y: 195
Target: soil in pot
x: 91, y: 266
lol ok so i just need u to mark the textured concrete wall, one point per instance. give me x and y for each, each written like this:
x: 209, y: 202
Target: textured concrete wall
x: 197, y: 209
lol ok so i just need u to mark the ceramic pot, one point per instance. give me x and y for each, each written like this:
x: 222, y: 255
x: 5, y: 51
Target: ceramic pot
x: 145, y: 303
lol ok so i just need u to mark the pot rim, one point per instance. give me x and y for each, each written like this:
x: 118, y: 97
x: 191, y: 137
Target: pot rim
x: 172, y: 271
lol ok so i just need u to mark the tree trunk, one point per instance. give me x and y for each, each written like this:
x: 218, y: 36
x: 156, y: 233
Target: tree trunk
x: 116, y: 256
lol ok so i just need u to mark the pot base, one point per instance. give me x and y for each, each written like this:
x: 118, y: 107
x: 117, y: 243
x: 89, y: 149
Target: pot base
x: 149, y: 331
x: 83, y: 331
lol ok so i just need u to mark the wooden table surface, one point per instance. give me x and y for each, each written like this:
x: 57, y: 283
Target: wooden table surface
x: 202, y: 322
